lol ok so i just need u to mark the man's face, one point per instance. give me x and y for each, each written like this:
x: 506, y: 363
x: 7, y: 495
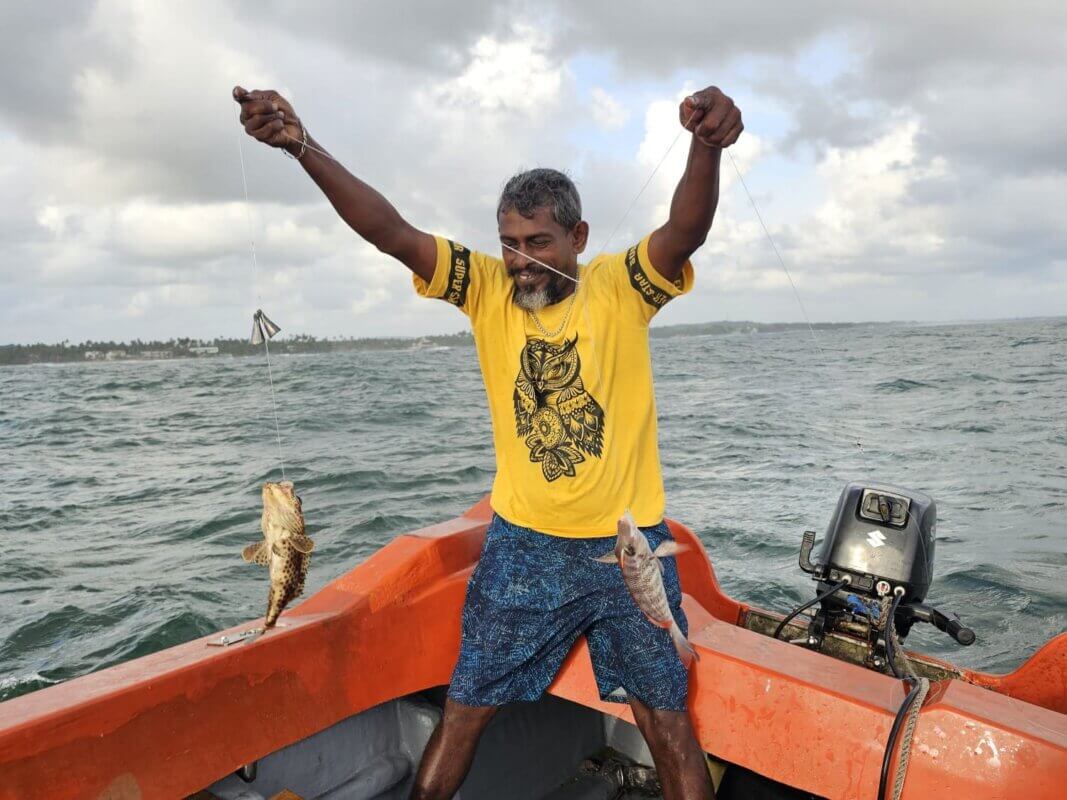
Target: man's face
x: 540, y: 237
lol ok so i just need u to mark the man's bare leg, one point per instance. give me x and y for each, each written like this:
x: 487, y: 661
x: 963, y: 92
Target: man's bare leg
x: 450, y: 751
x: 680, y: 763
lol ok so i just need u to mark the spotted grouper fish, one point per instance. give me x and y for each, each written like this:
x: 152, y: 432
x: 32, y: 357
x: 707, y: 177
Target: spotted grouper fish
x: 643, y: 575
x: 285, y: 549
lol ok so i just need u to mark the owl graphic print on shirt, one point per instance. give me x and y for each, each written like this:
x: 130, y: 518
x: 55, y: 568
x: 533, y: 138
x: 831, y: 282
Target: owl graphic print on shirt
x: 560, y: 422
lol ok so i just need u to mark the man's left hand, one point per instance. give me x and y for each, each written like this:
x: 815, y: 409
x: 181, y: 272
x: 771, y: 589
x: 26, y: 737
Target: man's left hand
x: 712, y: 117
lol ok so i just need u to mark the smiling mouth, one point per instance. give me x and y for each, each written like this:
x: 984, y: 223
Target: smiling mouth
x: 526, y: 275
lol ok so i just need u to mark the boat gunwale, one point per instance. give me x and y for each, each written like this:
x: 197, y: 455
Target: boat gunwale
x: 426, y: 571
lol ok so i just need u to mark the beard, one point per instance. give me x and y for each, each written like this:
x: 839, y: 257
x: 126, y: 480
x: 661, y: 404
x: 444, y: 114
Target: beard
x: 530, y: 299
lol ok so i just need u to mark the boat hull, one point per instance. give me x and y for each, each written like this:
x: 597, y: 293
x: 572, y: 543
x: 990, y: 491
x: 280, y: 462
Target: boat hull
x: 174, y: 722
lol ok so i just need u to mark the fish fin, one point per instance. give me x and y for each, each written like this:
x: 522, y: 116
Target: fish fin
x: 272, y: 614
x: 302, y: 575
x: 669, y: 548
x: 686, y: 651
x: 666, y: 624
x: 607, y: 558
x: 257, y: 553
x: 660, y: 565
x: 302, y: 544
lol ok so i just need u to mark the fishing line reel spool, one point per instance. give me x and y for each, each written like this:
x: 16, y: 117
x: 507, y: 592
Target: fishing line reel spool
x: 877, y: 560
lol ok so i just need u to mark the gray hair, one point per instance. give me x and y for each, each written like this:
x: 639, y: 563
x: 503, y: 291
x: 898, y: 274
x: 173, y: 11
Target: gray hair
x: 542, y: 188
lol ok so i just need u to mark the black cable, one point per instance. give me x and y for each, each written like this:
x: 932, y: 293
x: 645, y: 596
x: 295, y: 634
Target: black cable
x: 889, y: 630
x: 809, y: 604
x: 890, y: 745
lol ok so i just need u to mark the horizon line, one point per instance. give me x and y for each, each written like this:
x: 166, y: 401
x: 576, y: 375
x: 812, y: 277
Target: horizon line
x: 351, y: 337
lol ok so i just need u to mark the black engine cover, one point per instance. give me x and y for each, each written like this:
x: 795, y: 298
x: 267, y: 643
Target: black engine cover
x: 881, y: 532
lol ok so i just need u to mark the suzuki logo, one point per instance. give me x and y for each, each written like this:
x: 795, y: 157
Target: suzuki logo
x: 875, y: 539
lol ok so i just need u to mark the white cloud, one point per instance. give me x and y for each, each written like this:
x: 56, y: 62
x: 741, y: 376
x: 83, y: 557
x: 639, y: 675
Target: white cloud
x: 665, y: 149
x: 155, y: 231
x: 606, y: 111
x: 54, y: 219
x: 868, y: 204
x: 513, y: 75
x: 864, y: 232
x: 172, y: 297
x: 370, y: 299
x: 917, y: 146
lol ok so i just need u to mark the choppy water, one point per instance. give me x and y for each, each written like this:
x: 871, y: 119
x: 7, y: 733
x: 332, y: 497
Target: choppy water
x: 130, y: 488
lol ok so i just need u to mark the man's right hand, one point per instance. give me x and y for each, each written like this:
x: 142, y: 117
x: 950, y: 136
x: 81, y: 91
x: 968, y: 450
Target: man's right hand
x: 268, y: 117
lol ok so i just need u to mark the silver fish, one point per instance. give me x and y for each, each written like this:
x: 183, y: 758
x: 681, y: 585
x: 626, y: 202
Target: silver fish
x: 643, y: 575
x: 285, y: 549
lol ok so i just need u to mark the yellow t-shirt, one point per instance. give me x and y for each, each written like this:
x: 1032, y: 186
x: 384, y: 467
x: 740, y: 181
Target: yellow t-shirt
x: 574, y: 415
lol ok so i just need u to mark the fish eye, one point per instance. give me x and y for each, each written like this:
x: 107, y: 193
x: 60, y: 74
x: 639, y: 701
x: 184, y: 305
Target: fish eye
x: 630, y: 550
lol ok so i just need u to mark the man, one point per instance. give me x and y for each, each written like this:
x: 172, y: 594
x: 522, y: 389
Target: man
x: 564, y: 355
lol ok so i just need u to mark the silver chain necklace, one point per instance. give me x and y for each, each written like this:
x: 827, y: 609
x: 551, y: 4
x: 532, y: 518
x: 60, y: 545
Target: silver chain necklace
x: 566, y: 317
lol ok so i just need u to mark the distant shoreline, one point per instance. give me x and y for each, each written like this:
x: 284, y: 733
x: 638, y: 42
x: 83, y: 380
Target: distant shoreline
x: 184, y: 348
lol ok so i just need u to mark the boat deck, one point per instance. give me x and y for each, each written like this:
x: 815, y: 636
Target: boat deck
x: 549, y: 750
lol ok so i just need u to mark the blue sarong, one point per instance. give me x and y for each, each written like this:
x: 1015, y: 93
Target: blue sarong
x: 532, y: 595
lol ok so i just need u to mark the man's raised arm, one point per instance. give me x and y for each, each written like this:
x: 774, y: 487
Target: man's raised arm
x: 268, y: 117
x: 716, y: 123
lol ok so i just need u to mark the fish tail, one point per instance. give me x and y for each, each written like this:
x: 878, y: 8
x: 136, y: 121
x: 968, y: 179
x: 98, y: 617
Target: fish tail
x: 686, y: 652
x: 274, y: 607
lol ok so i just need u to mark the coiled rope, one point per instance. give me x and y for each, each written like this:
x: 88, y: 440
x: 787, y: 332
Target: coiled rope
x: 913, y: 703
x: 905, y: 740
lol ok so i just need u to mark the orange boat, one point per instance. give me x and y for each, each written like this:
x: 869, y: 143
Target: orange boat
x: 339, y: 700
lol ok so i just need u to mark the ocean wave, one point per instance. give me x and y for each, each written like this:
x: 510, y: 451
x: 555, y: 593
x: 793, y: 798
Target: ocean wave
x: 977, y: 429
x: 130, y: 509
x: 15, y: 685
x: 902, y: 385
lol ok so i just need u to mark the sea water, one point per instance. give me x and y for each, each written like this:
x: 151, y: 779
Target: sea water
x: 129, y: 488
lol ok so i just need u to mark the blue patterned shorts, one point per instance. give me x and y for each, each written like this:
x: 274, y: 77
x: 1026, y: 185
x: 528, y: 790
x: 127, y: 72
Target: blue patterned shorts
x: 532, y: 595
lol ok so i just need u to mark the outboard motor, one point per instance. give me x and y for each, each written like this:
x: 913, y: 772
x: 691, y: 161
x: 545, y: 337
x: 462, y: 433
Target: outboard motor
x: 878, y: 554
x: 880, y: 533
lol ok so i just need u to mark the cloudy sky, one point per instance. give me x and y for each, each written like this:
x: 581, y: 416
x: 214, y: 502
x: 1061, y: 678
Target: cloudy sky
x: 910, y: 158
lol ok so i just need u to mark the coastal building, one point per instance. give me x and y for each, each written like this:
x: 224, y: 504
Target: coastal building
x: 204, y: 351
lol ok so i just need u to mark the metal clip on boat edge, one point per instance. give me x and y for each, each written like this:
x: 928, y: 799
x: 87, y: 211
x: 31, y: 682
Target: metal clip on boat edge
x: 237, y: 638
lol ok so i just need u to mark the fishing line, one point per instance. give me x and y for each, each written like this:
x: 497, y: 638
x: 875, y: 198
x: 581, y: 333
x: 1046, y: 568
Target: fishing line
x: 607, y: 241
x: 541, y: 263
x: 626, y: 213
x: 796, y: 292
x: 304, y: 143
x: 644, y: 186
x: 785, y: 269
x: 255, y: 286
x: 633, y: 203
x: 774, y: 247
